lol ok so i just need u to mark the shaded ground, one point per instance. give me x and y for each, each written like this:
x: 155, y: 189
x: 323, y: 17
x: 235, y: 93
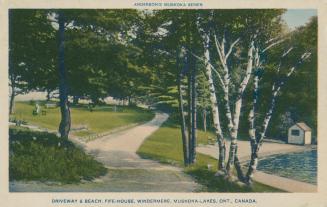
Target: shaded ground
x: 84, y: 122
x: 127, y: 171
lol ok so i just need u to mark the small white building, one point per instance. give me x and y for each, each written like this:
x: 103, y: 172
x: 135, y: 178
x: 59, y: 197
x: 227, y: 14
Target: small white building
x: 299, y: 133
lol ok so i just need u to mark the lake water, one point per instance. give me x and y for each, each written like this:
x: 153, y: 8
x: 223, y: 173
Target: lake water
x: 298, y: 166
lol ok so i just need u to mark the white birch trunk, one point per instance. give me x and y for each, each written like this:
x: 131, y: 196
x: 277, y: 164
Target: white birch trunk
x: 220, y: 47
x: 275, y: 91
x: 252, y: 129
x: 237, y: 111
x: 214, y: 105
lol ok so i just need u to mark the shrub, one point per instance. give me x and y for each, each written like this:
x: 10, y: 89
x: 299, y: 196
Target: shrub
x: 45, y: 157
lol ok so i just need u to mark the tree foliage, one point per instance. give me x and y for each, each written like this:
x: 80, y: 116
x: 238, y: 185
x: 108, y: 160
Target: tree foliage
x: 164, y: 58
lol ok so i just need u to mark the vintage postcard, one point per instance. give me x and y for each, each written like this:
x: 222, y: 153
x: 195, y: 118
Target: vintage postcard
x: 163, y: 103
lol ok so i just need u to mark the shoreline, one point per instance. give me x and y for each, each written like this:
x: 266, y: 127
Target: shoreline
x: 283, y: 183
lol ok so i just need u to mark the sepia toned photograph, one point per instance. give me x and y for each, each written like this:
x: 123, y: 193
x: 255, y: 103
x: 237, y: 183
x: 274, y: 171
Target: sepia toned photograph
x: 171, y: 100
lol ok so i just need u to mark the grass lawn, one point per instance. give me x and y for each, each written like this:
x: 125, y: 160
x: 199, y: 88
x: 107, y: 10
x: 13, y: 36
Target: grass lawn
x: 101, y: 119
x: 165, y: 145
x: 45, y: 157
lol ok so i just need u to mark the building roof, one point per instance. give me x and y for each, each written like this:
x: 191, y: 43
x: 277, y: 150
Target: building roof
x: 303, y: 126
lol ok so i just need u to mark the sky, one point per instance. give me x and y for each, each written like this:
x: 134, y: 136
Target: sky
x: 298, y: 17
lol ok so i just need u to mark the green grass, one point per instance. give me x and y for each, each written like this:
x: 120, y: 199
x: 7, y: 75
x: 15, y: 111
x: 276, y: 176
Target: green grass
x: 165, y: 145
x: 45, y: 157
x: 101, y: 119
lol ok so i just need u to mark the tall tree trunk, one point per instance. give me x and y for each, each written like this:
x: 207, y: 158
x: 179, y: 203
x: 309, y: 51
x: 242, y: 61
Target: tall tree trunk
x: 214, y: 106
x: 12, y: 99
x: 182, y: 120
x: 65, y: 122
x: 191, y: 89
x: 252, y: 121
x: 225, y: 82
x: 256, y: 144
x: 193, y: 111
x: 190, y: 109
x: 252, y: 133
x: 204, y: 117
x: 237, y: 111
x: 238, y: 167
x: 257, y: 140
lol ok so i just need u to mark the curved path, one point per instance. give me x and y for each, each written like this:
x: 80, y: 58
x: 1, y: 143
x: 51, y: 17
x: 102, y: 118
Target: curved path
x: 127, y: 172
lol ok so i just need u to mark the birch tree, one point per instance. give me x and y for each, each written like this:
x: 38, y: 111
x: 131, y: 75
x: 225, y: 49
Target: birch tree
x: 213, y: 99
x: 242, y: 31
x: 303, y: 83
x: 257, y: 136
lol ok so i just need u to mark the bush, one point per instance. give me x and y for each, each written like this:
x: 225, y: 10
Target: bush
x: 45, y: 157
